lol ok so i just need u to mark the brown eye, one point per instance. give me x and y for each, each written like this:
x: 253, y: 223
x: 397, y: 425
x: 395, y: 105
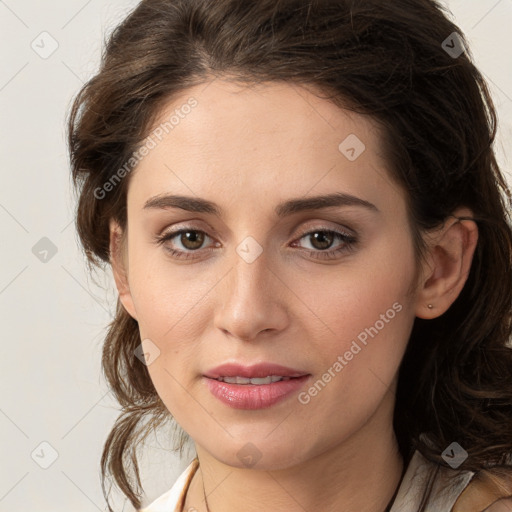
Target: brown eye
x: 321, y: 240
x: 192, y: 240
x: 184, y: 243
x: 187, y: 243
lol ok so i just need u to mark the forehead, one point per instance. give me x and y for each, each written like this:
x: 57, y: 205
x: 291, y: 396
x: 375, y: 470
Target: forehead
x: 271, y: 110
x: 262, y: 139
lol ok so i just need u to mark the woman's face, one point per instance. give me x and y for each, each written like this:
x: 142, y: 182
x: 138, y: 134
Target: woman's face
x: 269, y: 274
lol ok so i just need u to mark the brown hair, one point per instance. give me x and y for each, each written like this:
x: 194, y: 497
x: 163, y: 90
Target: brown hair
x: 388, y: 60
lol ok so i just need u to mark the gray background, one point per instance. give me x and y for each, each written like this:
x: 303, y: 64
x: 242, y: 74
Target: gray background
x: 54, y: 314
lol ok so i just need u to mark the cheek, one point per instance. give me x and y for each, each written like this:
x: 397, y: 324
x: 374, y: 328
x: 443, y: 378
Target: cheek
x: 363, y: 312
x: 167, y: 296
x: 174, y: 307
x: 171, y: 309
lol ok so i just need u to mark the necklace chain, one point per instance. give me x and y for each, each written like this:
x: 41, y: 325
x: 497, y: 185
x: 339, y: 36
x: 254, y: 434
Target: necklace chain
x: 204, y: 491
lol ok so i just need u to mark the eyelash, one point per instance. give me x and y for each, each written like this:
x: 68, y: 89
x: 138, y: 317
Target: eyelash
x: 349, y: 243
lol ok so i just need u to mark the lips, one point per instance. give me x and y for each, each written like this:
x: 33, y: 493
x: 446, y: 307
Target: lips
x: 254, y: 387
x: 260, y: 396
x: 254, y: 380
x: 260, y: 370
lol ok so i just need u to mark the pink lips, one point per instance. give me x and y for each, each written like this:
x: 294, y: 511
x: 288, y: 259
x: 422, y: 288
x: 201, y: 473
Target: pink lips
x: 253, y: 396
x: 257, y: 370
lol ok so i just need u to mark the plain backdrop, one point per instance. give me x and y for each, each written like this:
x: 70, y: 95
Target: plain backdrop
x: 56, y: 409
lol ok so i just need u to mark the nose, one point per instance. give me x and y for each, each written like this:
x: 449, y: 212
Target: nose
x: 251, y: 300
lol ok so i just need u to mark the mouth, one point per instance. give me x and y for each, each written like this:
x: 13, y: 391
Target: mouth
x: 257, y: 381
x: 254, y: 393
x: 264, y: 370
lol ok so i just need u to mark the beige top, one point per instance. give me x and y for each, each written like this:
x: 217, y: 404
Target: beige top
x: 412, y: 495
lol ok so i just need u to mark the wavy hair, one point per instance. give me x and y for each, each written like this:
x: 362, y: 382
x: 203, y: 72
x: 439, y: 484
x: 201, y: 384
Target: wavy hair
x: 387, y: 60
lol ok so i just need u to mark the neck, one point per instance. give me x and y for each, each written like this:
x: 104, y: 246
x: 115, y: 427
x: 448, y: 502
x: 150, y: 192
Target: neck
x: 360, y: 473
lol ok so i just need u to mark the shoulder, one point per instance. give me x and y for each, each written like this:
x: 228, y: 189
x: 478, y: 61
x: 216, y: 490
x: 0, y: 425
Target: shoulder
x: 503, y: 505
x: 428, y: 484
x: 486, y: 492
x: 443, y: 489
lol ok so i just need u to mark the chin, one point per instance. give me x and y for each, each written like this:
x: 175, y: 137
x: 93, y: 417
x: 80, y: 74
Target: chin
x: 262, y: 455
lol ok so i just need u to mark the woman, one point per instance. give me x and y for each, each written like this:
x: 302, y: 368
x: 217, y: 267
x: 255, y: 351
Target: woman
x: 308, y: 232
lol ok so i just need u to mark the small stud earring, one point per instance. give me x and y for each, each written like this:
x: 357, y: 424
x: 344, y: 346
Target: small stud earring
x: 430, y: 306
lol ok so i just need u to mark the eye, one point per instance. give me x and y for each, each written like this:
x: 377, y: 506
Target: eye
x: 322, y: 239
x: 191, y: 241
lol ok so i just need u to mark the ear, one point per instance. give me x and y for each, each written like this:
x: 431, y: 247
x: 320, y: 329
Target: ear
x: 119, y: 263
x: 449, y: 259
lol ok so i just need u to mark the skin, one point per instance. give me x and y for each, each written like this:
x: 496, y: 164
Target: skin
x: 504, y: 505
x: 247, y: 150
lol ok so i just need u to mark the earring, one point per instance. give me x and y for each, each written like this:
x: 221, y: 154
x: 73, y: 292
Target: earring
x: 430, y: 306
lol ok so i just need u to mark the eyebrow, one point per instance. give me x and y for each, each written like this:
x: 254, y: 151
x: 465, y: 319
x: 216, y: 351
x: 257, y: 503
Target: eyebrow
x: 194, y: 204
